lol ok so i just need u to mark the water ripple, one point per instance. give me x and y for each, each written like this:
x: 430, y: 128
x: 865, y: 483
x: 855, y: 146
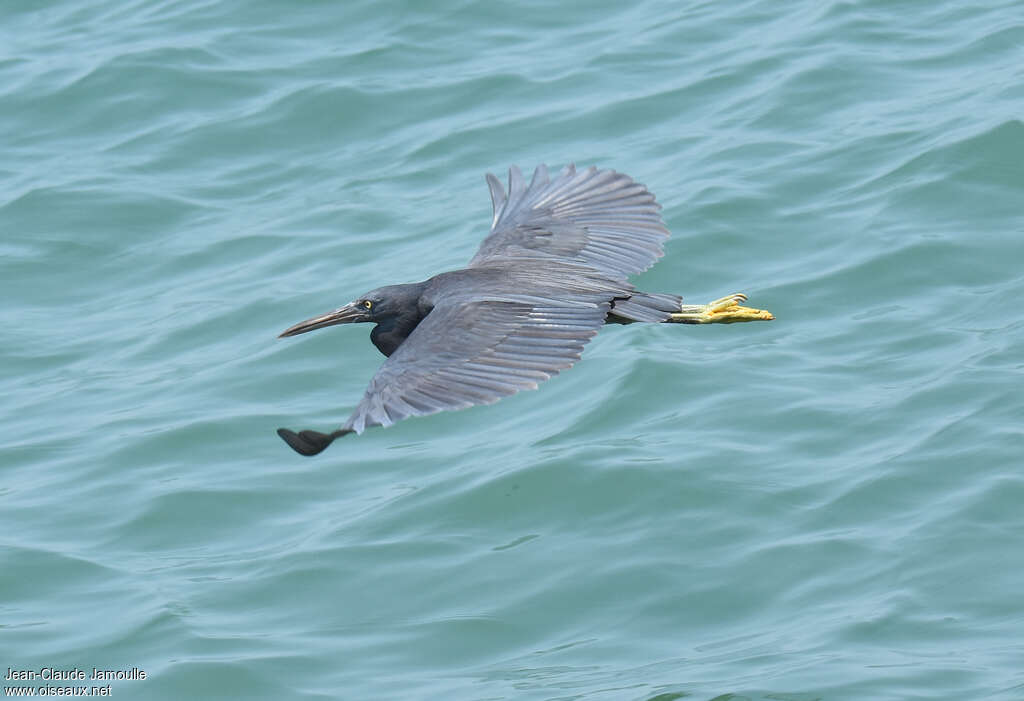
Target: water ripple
x: 823, y: 507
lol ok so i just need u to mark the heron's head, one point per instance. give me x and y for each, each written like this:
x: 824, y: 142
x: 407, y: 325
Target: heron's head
x: 379, y: 305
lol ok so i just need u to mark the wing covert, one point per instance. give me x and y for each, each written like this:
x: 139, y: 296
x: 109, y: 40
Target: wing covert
x: 599, y: 218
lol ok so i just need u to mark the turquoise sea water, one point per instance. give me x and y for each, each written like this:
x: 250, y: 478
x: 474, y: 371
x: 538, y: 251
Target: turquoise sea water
x: 825, y: 507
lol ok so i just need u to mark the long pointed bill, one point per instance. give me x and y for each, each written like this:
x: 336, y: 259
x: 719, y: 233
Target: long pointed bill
x: 345, y: 315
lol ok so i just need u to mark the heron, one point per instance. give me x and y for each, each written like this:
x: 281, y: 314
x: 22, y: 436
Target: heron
x: 550, y: 274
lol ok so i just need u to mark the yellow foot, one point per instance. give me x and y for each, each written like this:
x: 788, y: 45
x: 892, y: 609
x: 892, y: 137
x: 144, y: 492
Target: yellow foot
x: 726, y: 310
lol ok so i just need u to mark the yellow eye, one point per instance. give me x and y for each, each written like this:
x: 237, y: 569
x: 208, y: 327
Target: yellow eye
x: 367, y: 304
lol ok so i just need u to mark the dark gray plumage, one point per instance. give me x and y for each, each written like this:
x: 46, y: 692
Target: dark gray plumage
x: 550, y: 274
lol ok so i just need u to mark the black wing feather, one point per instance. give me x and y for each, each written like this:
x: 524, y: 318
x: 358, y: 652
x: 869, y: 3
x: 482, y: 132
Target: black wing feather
x: 599, y: 218
x: 476, y: 351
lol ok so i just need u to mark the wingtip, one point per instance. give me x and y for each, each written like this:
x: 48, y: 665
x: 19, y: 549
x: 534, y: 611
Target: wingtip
x: 540, y: 176
x: 516, y: 183
x: 497, y: 195
x: 307, y: 442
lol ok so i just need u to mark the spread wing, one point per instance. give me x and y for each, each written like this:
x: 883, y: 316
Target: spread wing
x: 599, y: 218
x: 476, y: 351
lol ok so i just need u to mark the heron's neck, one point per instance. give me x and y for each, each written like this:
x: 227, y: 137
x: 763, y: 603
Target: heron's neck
x: 390, y: 333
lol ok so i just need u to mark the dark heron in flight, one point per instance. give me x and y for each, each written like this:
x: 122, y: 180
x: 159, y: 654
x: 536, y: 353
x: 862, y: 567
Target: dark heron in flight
x: 552, y: 271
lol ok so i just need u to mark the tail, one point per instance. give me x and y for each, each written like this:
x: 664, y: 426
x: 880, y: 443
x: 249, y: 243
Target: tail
x: 644, y: 306
x: 310, y: 442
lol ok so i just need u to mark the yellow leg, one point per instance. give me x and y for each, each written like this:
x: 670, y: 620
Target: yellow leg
x: 726, y: 310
